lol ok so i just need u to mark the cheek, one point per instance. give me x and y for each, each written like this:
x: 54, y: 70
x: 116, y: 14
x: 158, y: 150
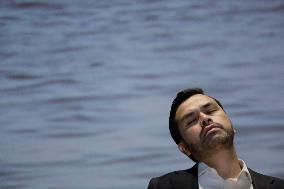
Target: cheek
x: 224, y: 120
x: 191, y: 135
x: 220, y: 115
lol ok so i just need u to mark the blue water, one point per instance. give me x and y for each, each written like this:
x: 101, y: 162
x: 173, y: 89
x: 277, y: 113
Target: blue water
x: 86, y: 86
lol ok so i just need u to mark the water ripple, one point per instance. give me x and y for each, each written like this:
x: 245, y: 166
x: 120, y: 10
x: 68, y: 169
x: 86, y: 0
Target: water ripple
x: 25, y: 88
x: 133, y: 159
x: 260, y: 129
x: 35, y: 5
x: 66, y: 135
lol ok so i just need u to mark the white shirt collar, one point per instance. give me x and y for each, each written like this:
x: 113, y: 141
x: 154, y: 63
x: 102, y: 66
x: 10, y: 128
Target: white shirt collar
x: 202, y: 168
x: 208, y: 177
x: 244, y: 170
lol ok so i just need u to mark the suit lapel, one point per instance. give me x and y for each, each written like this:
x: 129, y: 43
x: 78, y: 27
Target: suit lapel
x: 187, y: 179
x: 260, y: 181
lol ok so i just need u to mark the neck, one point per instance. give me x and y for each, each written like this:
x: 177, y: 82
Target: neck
x: 225, y: 162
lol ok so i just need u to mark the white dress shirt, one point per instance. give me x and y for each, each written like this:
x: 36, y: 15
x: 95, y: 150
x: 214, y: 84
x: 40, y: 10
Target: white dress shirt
x: 208, y: 178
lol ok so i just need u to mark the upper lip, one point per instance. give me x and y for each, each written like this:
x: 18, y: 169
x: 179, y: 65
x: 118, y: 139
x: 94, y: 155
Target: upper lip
x: 209, y: 127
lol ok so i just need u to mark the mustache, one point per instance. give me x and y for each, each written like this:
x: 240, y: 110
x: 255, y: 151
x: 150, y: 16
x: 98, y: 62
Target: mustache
x: 213, y: 125
x: 217, y: 125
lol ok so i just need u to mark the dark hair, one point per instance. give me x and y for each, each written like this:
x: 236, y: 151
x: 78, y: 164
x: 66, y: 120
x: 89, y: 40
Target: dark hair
x: 180, y: 98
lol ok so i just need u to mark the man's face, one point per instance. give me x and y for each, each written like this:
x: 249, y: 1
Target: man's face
x: 204, y: 127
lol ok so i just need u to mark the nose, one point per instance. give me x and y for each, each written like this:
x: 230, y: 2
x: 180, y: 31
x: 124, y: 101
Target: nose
x: 205, y: 120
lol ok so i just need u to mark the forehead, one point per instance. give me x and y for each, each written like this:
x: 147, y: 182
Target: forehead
x: 193, y: 102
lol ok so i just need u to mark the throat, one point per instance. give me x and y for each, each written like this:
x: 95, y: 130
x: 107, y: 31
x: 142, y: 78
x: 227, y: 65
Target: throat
x: 226, y: 163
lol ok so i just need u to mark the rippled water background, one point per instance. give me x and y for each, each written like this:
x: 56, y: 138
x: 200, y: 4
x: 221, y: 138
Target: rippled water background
x: 86, y: 86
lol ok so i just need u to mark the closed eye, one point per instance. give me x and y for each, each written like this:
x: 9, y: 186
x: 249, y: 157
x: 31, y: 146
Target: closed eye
x: 209, y: 112
x: 190, y: 122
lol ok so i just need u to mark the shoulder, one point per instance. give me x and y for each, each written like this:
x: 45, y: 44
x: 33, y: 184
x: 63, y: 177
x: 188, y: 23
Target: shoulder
x: 172, y: 178
x: 260, y: 180
x: 165, y: 181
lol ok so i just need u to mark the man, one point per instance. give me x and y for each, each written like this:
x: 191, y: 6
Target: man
x: 203, y: 131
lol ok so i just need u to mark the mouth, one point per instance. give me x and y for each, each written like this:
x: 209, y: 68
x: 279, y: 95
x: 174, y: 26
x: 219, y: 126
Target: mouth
x: 210, y: 129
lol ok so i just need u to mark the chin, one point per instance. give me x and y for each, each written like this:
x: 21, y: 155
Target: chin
x: 217, y: 141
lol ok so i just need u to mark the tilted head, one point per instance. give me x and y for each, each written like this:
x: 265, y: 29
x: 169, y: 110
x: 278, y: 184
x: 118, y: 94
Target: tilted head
x: 182, y: 106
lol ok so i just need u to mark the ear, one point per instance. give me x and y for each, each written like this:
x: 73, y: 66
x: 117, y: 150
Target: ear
x: 184, y: 149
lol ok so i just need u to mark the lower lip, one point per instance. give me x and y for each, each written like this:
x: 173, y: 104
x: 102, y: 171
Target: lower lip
x: 212, y: 130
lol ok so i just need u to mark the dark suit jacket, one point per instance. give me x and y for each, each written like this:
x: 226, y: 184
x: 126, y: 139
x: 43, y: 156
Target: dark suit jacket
x: 188, y: 179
